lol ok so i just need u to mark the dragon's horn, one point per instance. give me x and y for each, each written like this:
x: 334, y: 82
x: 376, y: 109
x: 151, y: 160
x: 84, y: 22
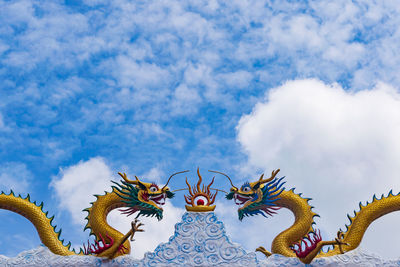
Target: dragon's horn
x: 171, y: 177
x: 123, y: 175
x: 273, y: 174
x: 234, y: 187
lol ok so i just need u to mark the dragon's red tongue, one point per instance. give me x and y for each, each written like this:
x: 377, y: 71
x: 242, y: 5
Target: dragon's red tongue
x: 157, y: 198
x: 240, y: 200
x: 160, y: 199
x: 243, y: 199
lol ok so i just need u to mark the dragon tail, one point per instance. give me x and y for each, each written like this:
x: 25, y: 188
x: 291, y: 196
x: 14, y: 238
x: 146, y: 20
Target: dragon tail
x: 43, y: 224
x: 362, y: 219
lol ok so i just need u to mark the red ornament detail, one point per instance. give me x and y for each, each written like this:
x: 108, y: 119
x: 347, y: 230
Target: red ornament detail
x: 98, y: 246
x: 145, y: 196
x: 307, y: 244
x: 200, y: 202
x: 206, y: 197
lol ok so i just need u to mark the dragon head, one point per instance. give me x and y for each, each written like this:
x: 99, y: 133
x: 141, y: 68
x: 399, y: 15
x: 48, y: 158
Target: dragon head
x: 257, y: 197
x: 147, y: 198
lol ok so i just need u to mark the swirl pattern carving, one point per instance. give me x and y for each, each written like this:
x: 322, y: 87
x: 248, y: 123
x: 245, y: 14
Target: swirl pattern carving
x: 199, y: 240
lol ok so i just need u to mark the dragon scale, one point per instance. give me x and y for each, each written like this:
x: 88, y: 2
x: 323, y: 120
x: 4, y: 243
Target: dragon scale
x: 97, y: 220
x: 39, y: 219
x: 304, y: 221
x: 136, y: 196
x: 363, y: 218
x: 302, y: 225
x: 97, y: 217
x: 266, y: 196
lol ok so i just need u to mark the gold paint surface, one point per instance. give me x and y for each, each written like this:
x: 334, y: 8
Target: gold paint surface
x: 200, y: 208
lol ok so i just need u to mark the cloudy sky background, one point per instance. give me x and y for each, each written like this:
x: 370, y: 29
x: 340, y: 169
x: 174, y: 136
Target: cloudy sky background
x: 90, y: 88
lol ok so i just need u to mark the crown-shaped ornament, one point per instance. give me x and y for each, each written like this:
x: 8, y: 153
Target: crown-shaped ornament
x: 200, y: 199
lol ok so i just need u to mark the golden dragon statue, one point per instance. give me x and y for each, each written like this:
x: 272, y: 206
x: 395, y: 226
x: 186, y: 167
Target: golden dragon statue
x: 266, y: 196
x: 132, y: 195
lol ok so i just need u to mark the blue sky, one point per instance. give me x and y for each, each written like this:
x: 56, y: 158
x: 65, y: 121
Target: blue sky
x: 90, y: 88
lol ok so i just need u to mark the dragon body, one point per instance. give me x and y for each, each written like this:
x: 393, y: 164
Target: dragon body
x: 135, y: 196
x: 262, y: 197
x: 266, y: 196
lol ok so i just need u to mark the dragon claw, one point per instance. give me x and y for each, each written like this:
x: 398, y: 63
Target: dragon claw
x: 264, y: 251
x: 339, y: 241
x: 136, y: 228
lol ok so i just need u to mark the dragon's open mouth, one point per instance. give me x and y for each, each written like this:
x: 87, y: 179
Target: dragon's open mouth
x: 158, y: 199
x: 240, y: 200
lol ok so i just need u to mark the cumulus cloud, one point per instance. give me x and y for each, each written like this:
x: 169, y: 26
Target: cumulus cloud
x: 124, y: 63
x: 338, y: 147
x: 170, y: 78
x: 247, y: 232
x: 155, y: 232
x: 15, y: 176
x: 76, y: 185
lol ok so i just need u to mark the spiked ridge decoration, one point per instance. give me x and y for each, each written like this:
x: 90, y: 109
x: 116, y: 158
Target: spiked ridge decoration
x: 98, y: 246
x: 39, y: 218
x: 135, y: 202
x: 258, y: 199
x: 307, y: 244
x: 266, y: 196
x: 200, y: 199
x: 134, y: 195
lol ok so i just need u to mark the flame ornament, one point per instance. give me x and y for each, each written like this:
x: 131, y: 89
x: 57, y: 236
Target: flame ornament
x: 200, y: 199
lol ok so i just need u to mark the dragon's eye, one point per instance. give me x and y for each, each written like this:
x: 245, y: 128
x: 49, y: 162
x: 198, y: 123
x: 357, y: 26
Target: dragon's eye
x: 200, y: 201
x: 153, y: 188
x: 246, y: 189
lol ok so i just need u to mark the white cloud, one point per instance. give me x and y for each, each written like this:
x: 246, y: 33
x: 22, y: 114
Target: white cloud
x: 247, y: 232
x: 336, y: 146
x: 2, y: 125
x: 155, y: 232
x: 153, y: 175
x: 141, y: 76
x: 15, y: 176
x: 186, y: 101
x: 151, y: 49
x: 196, y: 74
x: 22, y: 11
x: 3, y: 47
x: 238, y: 79
x: 66, y: 90
x: 76, y: 185
x: 331, y: 40
x: 44, y: 35
x: 121, y: 72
